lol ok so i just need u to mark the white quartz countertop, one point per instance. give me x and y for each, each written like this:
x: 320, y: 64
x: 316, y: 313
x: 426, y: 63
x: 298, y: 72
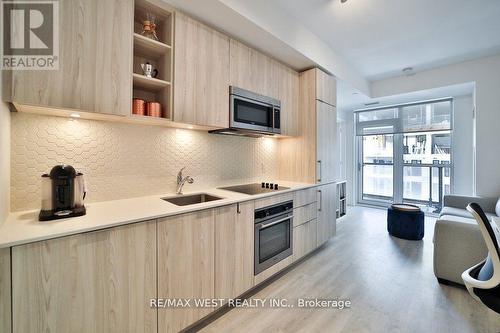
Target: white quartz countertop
x: 24, y: 227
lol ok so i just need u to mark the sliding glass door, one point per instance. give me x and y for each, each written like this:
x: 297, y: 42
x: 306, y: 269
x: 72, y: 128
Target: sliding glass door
x: 377, y: 167
x: 404, y: 154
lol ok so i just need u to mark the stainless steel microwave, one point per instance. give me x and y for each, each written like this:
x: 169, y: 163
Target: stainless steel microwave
x: 253, y: 112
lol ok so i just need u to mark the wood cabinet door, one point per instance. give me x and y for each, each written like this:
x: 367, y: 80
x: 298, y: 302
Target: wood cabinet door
x: 185, y: 267
x: 95, y: 61
x: 5, y: 290
x: 201, y: 82
x: 327, y: 222
x: 234, y: 249
x: 94, y: 282
x: 304, y: 239
x: 252, y: 70
x: 326, y: 87
x: 289, y: 97
x: 326, y: 137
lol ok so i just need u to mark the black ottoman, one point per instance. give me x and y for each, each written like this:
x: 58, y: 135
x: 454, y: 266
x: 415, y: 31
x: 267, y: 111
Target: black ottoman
x: 405, y: 221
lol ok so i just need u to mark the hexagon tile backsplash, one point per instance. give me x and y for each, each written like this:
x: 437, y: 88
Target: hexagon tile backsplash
x: 124, y: 161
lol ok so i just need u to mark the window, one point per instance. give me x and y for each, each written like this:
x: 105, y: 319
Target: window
x: 405, y: 153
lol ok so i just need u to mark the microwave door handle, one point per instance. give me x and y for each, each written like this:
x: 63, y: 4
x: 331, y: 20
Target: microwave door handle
x: 264, y: 226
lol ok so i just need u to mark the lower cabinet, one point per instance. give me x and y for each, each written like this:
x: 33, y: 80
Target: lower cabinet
x: 234, y: 249
x: 327, y: 195
x: 304, y: 239
x: 103, y: 281
x: 94, y: 282
x: 5, y: 290
x: 185, y: 266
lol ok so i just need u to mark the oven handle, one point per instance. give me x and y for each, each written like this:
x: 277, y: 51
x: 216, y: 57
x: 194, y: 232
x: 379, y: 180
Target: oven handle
x: 264, y: 226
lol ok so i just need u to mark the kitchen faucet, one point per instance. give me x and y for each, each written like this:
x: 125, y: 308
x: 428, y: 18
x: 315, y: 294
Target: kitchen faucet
x: 182, y: 180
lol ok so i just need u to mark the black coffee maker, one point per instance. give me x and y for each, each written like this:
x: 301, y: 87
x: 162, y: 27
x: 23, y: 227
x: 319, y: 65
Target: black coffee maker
x: 62, y: 194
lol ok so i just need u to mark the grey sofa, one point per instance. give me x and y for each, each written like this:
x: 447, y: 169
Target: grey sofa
x: 458, y: 243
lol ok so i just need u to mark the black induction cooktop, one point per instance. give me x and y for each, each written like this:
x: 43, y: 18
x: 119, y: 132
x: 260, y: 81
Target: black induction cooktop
x: 256, y: 188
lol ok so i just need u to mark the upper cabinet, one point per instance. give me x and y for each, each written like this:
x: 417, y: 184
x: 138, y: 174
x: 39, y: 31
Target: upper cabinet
x: 326, y: 87
x: 252, y: 70
x: 310, y: 157
x: 201, y: 81
x: 288, y: 94
x: 95, y: 61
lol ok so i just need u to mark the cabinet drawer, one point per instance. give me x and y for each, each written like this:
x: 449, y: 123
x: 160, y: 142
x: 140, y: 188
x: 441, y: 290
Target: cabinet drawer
x: 305, y: 214
x: 275, y: 199
x: 304, y: 239
x: 305, y: 197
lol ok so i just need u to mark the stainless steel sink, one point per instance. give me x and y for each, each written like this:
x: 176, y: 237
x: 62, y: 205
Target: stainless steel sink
x: 191, y: 199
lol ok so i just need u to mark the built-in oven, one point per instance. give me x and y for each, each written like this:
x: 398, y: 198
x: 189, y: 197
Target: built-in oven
x: 273, y: 235
x: 251, y: 111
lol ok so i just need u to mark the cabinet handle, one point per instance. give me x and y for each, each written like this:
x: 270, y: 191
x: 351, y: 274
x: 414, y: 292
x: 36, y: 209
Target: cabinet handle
x: 238, y: 208
x: 320, y: 171
x: 320, y: 200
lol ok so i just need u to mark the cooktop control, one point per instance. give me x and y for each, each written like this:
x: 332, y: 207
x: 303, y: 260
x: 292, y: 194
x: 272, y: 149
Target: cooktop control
x: 255, y: 188
x: 271, y: 186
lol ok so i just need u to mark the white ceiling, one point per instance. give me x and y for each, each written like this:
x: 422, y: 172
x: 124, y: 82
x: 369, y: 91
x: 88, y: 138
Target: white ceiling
x: 380, y: 38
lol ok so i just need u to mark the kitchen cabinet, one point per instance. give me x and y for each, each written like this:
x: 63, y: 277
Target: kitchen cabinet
x: 5, y: 290
x: 289, y: 96
x: 304, y: 239
x: 94, y: 282
x: 253, y: 70
x: 326, y: 227
x: 304, y: 214
x: 95, y: 61
x: 273, y: 200
x: 326, y: 136
x: 185, y: 266
x: 234, y: 249
x: 305, y: 197
x: 201, y: 89
x: 310, y: 157
x: 326, y: 87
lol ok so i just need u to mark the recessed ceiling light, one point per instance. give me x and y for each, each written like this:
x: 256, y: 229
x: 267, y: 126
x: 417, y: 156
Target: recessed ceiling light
x: 74, y: 115
x: 190, y: 127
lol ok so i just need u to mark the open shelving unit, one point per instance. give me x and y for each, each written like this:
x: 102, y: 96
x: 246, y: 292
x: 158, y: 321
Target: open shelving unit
x: 341, y: 198
x: 157, y: 53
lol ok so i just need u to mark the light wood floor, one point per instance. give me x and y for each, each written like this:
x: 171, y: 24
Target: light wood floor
x: 389, y: 281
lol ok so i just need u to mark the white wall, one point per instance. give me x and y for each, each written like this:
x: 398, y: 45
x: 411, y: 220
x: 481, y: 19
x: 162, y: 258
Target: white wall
x: 485, y: 72
x: 463, y: 157
x: 4, y: 159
